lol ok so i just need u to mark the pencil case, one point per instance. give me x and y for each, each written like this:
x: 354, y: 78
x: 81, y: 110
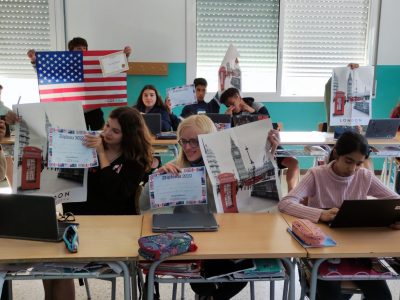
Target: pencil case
x: 308, y: 232
x: 160, y: 246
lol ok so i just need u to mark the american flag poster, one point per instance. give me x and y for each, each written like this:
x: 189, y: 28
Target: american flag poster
x: 76, y: 76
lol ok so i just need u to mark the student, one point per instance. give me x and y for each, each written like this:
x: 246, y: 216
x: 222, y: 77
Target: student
x: 175, y: 120
x: 150, y: 101
x: 190, y: 156
x: 237, y: 105
x: 93, y: 117
x: 326, y: 187
x: 125, y: 154
x: 201, y: 106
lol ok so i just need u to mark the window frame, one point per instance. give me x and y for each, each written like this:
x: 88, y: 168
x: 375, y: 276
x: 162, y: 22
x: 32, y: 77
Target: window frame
x: 191, y: 52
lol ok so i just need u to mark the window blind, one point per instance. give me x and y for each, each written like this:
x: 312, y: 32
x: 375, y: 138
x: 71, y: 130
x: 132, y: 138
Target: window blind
x: 252, y: 26
x: 24, y: 25
x: 318, y: 36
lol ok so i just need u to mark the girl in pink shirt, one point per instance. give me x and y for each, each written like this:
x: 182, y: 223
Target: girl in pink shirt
x: 326, y: 187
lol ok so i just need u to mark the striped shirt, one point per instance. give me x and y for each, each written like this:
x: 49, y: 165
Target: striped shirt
x: 325, y: 189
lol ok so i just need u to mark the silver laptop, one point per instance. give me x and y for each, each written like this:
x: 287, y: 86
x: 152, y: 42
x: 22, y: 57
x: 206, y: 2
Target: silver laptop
x: 367, y: 213
x: 30, y: 217
x: 184, y: 222
x: 382, y: 128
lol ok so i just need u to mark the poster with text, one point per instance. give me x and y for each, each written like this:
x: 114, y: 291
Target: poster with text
x: 32, y: 174
x: 351, y: 94
x: 241, y: 168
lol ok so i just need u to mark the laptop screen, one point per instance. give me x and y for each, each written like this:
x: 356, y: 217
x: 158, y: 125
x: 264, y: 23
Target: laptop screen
x: 382, y: 128
x: 153, y: 122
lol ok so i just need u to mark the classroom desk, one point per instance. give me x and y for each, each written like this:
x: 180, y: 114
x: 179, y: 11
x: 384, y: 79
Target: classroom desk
x: 161, y: 147
x: 101, y: 238
x: 325, y: 138
x: 240, y: 235
x: 352, y: 243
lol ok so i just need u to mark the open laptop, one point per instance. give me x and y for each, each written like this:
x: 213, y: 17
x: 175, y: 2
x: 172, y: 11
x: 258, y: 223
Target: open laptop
x: 382, y: 128
x: 153, y: 122
x: 367, y: 213
x: 221, y: 121
x: 184, y: 222
x: 30, y: 217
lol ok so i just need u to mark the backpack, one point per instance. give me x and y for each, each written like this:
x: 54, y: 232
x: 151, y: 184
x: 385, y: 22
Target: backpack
x: 161, y: 246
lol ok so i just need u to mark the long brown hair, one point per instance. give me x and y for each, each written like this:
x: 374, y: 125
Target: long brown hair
x: 136, y: 139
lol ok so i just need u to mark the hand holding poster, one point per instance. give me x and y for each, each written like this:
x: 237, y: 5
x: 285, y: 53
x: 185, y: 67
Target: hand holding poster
x: 182, y: 95
x: 188, y: 187
x: 351, y: 96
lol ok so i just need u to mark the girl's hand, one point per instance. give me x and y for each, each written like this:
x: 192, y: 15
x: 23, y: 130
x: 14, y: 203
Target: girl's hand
x: 94, y: 141
x: 168, y: 105
x: 12, y: 117
x: 329, y: 214
x: 169, y: 168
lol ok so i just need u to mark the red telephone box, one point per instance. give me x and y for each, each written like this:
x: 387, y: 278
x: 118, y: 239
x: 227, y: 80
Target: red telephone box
x: 31, y: 168
x: 228, y: 187
x: 339, y: 101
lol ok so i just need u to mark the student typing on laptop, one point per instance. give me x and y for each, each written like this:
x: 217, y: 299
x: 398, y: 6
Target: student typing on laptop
x: 326, y: 187
x: 190, y: 156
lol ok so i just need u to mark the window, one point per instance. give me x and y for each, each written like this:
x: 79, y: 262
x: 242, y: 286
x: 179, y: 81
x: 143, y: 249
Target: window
x: 287, y: 48
x: 26, y: 24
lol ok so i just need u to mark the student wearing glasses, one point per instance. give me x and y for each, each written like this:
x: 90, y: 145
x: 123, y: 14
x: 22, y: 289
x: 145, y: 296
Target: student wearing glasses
x: 326, y: 187
x: 190, y: 156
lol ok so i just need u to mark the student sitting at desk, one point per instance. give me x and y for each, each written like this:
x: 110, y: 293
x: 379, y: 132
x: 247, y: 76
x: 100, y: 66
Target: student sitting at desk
x: 190, y: 156
x: 237, y: 105
x: 150, y: 102
x: 93, y: 117
x: 200, y: 84
x: 326, y: 187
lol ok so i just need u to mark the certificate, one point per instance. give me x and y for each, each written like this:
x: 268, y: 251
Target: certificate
x: 182, y: 95
x: 67, y: 151
x: 188, y: 187
x: 113, y: 63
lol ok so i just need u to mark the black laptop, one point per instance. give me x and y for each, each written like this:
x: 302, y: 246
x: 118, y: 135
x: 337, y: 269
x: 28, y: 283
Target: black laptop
x: 382, y: 128
x: 30, y: 217
x: 184, y: 222
x: 367, y: 213
x: 153, y: 122
x: 221, y: 121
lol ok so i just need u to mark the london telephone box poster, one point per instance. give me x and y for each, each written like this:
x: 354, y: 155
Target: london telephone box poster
x: 351, y: 95
x: 241, y: 168
x: 32, y: 173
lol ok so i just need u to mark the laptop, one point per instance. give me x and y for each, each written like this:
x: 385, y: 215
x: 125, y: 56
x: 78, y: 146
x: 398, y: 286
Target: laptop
x: 153, y: 122
x: 30, y: 217
x: 221, y: 121
x: 184, y: 222
x: 367, y: 213
x: 382, y: 128
x: 242, y: 119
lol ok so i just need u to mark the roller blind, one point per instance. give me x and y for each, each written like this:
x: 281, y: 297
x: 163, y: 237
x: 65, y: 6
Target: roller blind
x: 318, y: 36
x: 24, y: 25
x: 252, y: 26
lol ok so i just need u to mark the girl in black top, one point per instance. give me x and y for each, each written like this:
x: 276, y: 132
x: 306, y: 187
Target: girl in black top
x: 124, y: 152
x: 150, y: 101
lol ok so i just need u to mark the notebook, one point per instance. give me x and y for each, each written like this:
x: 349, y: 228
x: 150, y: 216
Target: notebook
x: 30, y: 217
x: 184, y: 222
x: 382, y: 128
x: 367, y: 213
x: 153, y: 122
x: 221, y: 121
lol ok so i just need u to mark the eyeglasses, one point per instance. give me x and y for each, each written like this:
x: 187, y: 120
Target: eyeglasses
x: 71, y: 238
x: 192, y: 142
x: 67, y: 217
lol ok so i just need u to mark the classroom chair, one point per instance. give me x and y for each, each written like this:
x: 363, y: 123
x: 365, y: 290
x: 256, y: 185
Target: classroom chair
x: 113, y: 287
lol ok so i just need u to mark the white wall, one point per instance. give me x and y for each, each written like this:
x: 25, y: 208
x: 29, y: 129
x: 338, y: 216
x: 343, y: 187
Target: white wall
x: 389, y: 35
x: 155, y: 29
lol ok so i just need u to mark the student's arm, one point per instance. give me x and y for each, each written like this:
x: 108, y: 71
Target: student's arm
x: 290, y: 204
x: 378, y: 190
